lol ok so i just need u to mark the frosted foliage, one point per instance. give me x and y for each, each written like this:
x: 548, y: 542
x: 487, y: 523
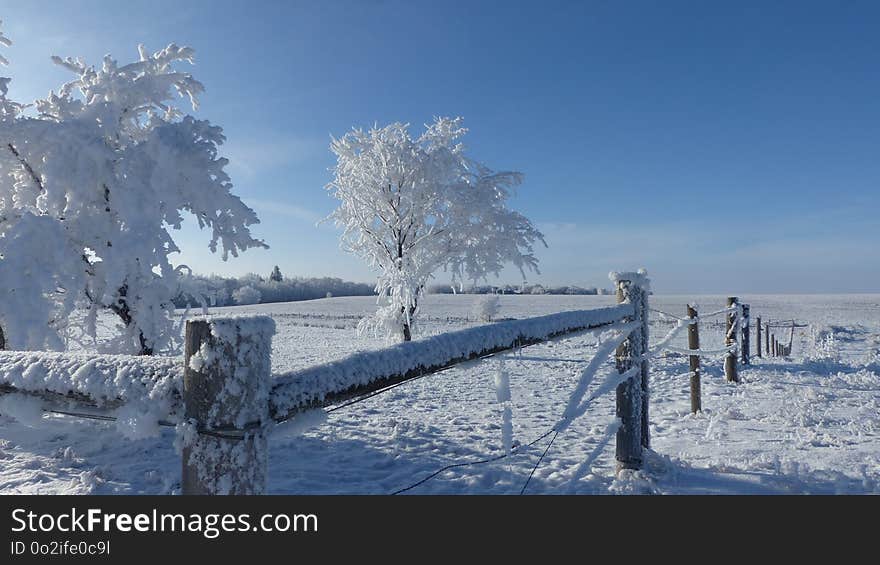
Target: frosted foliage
x: 7, y: 107
x: 411, y: 206
x: 90, y: 183
x: 246, y: 295
x: 824, y: 347
x: 486, y: 307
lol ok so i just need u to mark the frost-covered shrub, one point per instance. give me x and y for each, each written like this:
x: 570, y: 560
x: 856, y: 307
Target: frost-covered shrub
x: 486, y: 307
x: 246, y: 295
x: 824, y: 347
x: 823, y: 354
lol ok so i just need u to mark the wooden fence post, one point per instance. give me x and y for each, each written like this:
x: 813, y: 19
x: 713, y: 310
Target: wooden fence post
x: 758, y: 336
x: 775, y: 347
x: 644, y: 378
x: 694, y: 359
x: 767, y: 337
x: 226, y: 383
x: 730, y: 360
x: 746, y: 320
x: 630, y: 406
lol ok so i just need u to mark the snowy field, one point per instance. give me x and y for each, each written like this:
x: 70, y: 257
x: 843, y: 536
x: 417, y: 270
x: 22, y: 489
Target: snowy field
x: 807, y: 424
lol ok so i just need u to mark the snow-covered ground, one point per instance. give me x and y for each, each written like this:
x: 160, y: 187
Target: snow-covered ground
x: 808, y: 424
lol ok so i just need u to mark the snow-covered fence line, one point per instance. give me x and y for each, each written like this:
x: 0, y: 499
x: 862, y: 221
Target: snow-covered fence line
x: 775, y: 347
x: 737, y: 341
x: 368, y: 371
x: 223, y: 398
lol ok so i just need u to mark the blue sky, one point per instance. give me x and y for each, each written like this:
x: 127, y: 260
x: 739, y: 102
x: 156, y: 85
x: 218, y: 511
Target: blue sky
x: 725, y: 146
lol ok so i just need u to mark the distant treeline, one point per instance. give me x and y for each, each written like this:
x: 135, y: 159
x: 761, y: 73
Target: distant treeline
x: 214, y: 290
x: 518, y: 289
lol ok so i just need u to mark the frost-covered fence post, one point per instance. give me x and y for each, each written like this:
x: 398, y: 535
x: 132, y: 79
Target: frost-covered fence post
x: 632, y: 394
x: 730, y: 339
x: 767, y: 338
x: 226, y: 384
x: 694, y: 359
x: 746, y: 320
x: 758, y: 337
x: 642, y: 313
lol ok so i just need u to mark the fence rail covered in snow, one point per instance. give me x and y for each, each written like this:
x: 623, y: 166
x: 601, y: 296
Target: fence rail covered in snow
x: 369, y: 371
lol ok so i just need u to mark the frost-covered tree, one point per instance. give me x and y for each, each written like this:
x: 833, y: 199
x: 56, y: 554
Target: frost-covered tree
x: 276, y: 275
x: 410, y: 206
x: 486, y: 307
x: 246, y: 295
x: 91, y: 180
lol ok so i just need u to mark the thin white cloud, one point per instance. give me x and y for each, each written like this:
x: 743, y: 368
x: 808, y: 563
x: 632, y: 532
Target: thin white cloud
x: 253, y: 155
x: 290, y: 210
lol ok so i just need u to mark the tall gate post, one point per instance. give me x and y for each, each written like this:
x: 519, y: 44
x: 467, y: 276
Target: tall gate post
x: 632, y: 394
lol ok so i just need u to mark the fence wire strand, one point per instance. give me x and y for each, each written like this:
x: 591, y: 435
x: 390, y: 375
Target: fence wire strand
x: 513, y: 452
x: 667, y: 314
x: 535, y: 468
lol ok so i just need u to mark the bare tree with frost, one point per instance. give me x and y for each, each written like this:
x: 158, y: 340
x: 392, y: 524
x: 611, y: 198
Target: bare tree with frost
x: 276, y: 275
x: 412, y: 206
x: 91, y: 180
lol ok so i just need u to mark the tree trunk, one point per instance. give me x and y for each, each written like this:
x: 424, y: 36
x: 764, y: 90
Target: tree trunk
x: 124, y: 312
x: 407, y: 330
